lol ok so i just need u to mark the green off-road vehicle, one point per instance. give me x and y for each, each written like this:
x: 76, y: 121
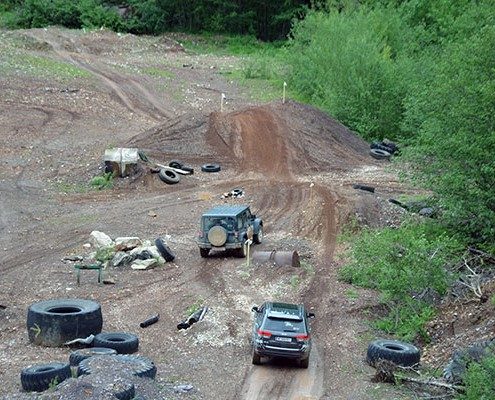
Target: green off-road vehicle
x: 229, y: 227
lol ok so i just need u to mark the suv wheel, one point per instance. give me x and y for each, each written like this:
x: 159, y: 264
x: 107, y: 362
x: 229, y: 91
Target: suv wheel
x: 258, y: 237
x: 204, y: 252
x: 256, y: 358
x: 304, y: 363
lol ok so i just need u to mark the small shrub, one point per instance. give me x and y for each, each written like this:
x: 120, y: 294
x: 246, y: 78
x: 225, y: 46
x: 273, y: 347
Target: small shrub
x: 101, y: 182
x: 400, y: 263
x: 479, y: 380
x: 104, y: 254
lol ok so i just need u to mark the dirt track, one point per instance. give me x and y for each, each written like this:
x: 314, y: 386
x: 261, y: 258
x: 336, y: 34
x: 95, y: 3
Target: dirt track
x: 295, y: 164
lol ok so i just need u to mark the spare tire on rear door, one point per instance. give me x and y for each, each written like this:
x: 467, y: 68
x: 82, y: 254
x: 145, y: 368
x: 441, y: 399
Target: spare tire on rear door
x: 400, y: 353
x: 54, y: 322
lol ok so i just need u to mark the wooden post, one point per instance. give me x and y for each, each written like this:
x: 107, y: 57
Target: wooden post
x: 283, y: 95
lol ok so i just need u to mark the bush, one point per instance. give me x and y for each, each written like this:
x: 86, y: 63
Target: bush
x: 479, y: 381
x: 102, y: 181
x: 402, y: 263
x: 348, y: 65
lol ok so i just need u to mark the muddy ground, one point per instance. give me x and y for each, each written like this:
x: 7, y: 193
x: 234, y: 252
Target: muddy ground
x: 65, y: 97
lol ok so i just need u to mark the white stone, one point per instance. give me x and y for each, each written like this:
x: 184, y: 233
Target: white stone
x: 127, y: 243
x: 99, y: 239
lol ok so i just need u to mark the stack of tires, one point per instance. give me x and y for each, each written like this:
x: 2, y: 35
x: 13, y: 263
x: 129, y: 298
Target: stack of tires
x: 383, y: 150
x: 52, y: 323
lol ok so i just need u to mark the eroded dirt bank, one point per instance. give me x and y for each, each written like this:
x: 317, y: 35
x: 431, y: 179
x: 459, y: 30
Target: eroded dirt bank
x: 296, y: 165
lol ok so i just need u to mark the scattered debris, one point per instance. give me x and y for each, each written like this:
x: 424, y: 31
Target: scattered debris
x: 462, y: 358
x: 235, y: 193
x: 73, y: 258
x: 150, y: 321
x: 364, y: 187
x: 152, y: 214
x: 164, y: 250
x: 278, y: 258
x: 196, y: 316
x: 183, y: 388
x: 86, y: 341
x: 109, y: 281
x: 121, y: 258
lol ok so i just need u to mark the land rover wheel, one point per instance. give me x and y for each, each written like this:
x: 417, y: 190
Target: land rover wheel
x: 204, y: 252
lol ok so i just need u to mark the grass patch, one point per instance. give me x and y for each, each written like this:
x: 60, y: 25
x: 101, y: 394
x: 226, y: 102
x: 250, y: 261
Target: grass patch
x: 225, y: 45
x: 44, y: 66
x: 401, y: 263
x: 294, y: 281
x: 101, y: 182
x: 194, y: 307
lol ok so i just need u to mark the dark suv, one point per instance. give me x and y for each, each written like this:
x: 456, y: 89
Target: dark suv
x: 228, y: 227
x: 282, y: 330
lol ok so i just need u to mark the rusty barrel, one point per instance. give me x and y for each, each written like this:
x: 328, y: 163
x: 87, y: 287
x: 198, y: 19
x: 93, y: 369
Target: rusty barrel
x: 279, y: 258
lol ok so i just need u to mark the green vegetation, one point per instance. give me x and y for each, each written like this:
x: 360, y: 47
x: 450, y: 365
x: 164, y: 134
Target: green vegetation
x: 42, y: 66
x: 101, y: 182
x: 158, y: 72
x: 104, y: 254
x: 479, y: 380
x: 267, y: 20
x: 401, y: 264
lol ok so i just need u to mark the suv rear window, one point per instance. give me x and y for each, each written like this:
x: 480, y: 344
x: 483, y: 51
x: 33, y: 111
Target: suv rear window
x: 284, y: 325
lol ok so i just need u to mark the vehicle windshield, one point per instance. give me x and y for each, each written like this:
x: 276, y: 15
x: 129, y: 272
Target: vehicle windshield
x: 284, y: 325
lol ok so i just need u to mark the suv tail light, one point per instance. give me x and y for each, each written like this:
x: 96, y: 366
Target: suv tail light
x: 265, y: 334
x: 302, y: 337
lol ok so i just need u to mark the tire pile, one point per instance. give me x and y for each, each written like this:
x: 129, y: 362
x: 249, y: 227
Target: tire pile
x: 383, y: 150
x: 105, y: 370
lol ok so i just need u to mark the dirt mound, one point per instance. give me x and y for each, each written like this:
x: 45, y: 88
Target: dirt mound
x: 277, y: 140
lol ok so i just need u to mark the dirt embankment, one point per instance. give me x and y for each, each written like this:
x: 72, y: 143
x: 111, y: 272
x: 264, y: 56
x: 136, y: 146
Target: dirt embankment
x: 295, y: 164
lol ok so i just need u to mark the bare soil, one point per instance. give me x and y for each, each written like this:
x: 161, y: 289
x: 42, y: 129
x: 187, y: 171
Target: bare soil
x: 296, y: 165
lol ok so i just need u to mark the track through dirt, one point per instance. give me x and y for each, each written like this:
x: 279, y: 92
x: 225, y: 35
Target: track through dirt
x: 295, y: 164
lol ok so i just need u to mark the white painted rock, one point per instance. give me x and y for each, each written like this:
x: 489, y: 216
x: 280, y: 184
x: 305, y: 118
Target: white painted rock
x: 99, y: 239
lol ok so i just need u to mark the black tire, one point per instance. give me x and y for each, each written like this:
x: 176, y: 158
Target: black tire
x: 53, y: 322
x: 176, y: 164
x: 40, y: 377
x: 124, y: 343
x: 381, y: 146
x: 304, y: 363
x: 188, y: 169
x: 204, y: 252
x: 397, y: 202
x: 78, y: 355
x: 136, y: 365
x: 258, y: 237
x: 256, y: 358
x: 164, y: 250
x: 168, y: 176
x: 210, y: 168
x: 379, y: 154
x: 400, y: 353
x: 370, y: 189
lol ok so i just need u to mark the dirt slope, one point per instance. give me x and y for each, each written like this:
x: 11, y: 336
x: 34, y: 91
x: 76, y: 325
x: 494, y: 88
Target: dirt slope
x: 295, y: 164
